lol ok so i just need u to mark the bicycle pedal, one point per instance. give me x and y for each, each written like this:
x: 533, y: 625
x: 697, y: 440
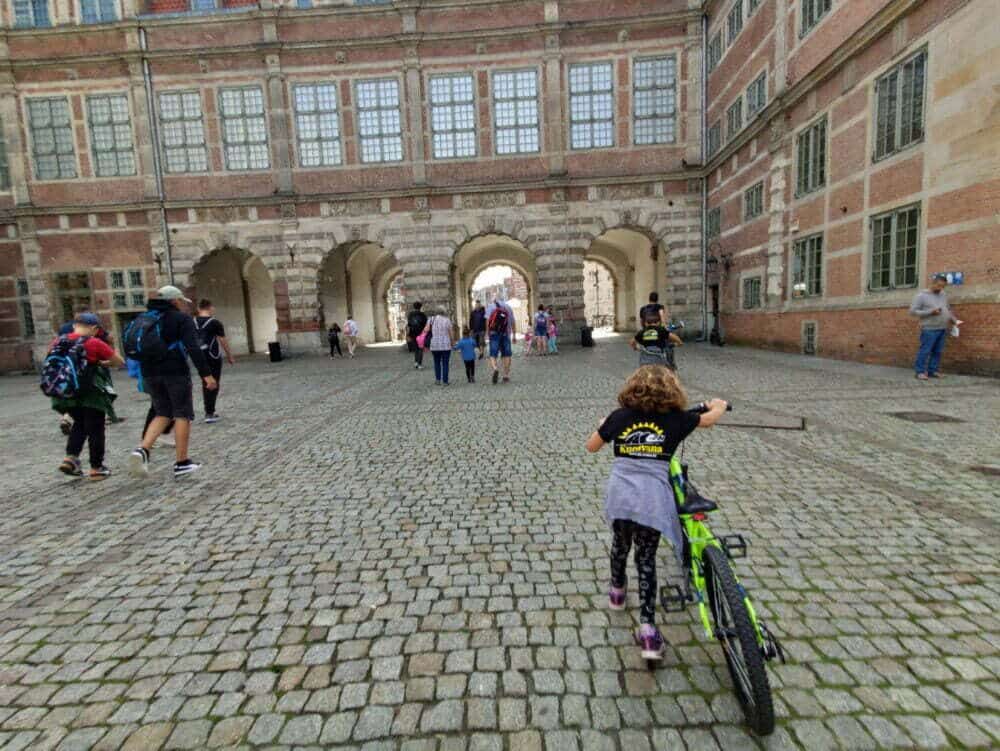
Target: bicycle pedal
x: 772, y: 647
x: 673, y: 599
x: 735, y: 546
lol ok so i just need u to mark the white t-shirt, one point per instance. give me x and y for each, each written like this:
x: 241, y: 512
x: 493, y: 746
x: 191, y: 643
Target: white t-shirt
x: 350, y: 328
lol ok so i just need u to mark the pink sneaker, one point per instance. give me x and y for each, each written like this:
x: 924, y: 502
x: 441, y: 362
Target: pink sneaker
x: 616, y: 598
x: 650, y: 641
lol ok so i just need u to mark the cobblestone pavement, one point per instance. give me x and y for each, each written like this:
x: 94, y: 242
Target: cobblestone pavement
x: 368, y: 561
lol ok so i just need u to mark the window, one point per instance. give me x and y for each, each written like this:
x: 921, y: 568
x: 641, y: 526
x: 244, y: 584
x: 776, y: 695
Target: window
x: 515, y: 112
x: 31, y: 13
x: 244, y: 128
x: 453, y: 116
x: 894, y: 248
x: 752, y: 5
x: 714, y: 139
x: 899, y: 102
x: 734, y: 118
x: 52, y: 139
x: 807, y: 267
x: 110, y: 135
x: 24, y: 309
x: 734, y: 22
x: 812, y: 158
x: 713, y: 222
x: 379, y: 121
x: 591, y: 111
x: 812, y: 12
x: 757, y: 95
x: 98, y: 11
x: 4, y: 170
x: 204, y: 5
x: 753, y: 201
x: 654, y: 100
x: 751, y: 292
x: 714, y: 51
x: 127, y: 289
x: 317, y: 124
x: 71, y: 291
x: 183, y: 132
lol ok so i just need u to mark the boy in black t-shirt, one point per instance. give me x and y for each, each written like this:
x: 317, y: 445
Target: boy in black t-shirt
x: 212, y: 337
x: 656, y: 342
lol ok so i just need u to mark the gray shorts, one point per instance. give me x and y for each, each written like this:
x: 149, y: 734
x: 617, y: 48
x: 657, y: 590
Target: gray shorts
x: 171, y: 396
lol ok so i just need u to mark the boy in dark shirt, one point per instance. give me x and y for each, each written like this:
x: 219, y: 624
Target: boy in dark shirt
x: 656, y: 342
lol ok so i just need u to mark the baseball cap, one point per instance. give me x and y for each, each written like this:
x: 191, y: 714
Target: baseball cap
x: 171, y: 293
x: 939, y: 277
x: 87, y: 319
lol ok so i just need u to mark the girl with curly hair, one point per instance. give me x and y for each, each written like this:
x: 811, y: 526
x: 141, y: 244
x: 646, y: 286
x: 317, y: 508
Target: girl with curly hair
x: 639, y: 504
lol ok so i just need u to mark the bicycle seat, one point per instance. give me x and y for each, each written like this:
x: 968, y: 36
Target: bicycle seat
x: 694, y: 504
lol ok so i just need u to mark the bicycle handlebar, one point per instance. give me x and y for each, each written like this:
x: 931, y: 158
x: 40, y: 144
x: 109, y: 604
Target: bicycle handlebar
x: 702, y: 407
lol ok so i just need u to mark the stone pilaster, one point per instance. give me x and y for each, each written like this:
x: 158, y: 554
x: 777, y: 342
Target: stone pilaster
x: 552, y: 104
x: 143, y: 130
x: 280, y: 131
x: 560, y: 283
x: 781, y: 165
x: 45, y: 327
x: 414, y: 108
x: 425, y: 255
x: 17, y: 158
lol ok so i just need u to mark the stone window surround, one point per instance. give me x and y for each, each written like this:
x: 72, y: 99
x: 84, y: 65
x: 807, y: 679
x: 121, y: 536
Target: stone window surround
x: 748, y: 115
x: 242, y: 86
x: 810, y: 124
x: 734, y: 118
x: 87, y: 97
x: 868, y: 250
x: 26, y: 99
x: 492, y: 71
x: 897, y: 64
x: 356, y: 82
x: 161, y: 130
x: 750, y: 217
x: 800, y: 18
x: 98, y: 4
x: 476, y: 102
x: 294, y: 121
x: 633, y: 60
x: 807, y: 295
x: 590, y: 121
x: 757, y: 272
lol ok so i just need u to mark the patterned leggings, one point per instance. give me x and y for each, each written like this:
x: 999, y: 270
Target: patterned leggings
x: 646, y: 541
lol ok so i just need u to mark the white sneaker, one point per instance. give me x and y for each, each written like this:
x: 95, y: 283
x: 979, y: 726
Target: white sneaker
x: 185, y: 469
x: 138, y: 462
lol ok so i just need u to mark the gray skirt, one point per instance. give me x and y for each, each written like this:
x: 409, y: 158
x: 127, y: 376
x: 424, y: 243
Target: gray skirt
x: 639, y: 490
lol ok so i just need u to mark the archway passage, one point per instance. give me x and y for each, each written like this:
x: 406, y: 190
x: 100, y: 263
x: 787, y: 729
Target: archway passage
x: 599, y: 295
x: 355, y: 280
x: 240, y: 287
x: 489, y: 251
x: 395, y: 309
x: 629, y: 257
x: 507, y: 282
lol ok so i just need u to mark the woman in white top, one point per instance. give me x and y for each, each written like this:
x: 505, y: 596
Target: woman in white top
x: 440, y: 329
x: 351, y: 334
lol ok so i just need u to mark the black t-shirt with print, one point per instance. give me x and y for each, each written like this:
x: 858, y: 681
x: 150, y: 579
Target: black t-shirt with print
x: 639, y: 435
x: 653, y: 336
x: 209, y: 331
x: 652, y: 308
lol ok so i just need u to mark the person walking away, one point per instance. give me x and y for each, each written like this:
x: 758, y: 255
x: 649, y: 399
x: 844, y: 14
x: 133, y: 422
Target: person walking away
x: 85, y: 358
x: 931, y: 307
x: 212, y: 336
x: 416, y: 322
x: 656, y: 342
x: 135, y: 371
x: 351, y: 332
x: 639, y: 504
x: 477, y: 325
x: 501, y: 327
x: 654, y: 307
x: 66, y: 420
x: 553, y: 332
x: 541, y: 332
x: 162, y: 339
x: 467, y: 346
x: 333, y: 337
x: 439, y: 328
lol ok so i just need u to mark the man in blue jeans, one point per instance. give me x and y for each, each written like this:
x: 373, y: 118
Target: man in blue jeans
x: 501, y: 328
x: 936, y: 318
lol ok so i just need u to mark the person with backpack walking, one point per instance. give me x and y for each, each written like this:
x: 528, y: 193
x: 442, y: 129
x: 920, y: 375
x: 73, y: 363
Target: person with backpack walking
x: 333, y: 337
x: 351, y: 332
x: 653, y: 308
x: 66, y: 421
x: 467, y: 346
x: 477, y: 327
x: 501, y: 327
x: 75, y: 374
x: 416, y: 322
x: 212, y: 337
x: 541, y: 333
x: 439, y: 328
x: 162, y: 339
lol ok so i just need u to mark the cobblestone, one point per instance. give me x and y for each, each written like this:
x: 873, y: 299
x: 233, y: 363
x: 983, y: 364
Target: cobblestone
x: 348, y: 571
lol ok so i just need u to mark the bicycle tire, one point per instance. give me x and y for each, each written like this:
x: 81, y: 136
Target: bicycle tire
x: 752, y: 687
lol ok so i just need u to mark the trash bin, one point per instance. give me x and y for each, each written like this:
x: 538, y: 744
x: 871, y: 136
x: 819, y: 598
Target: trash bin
x: 586, y: 336
x: 274, y: 351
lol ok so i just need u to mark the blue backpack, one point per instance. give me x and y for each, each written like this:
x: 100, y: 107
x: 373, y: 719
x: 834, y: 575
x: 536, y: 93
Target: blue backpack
x: 64, y: 372
x: 143, y: 339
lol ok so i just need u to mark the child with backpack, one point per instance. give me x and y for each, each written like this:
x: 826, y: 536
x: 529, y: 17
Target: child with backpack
x: 75, y: 375
x: 655, y: 342
x: 639, y: 504
x: 467, y: 346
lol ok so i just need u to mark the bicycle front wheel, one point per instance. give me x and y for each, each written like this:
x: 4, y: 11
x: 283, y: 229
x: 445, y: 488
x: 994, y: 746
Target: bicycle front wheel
x: 736, y: 635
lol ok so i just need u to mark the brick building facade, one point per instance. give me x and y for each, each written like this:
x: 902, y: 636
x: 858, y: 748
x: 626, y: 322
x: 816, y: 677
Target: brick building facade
x: 292, y: 160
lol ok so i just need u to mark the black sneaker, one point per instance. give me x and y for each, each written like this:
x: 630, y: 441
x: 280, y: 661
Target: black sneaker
x: 138, y: 462
x: 211, y: 418
x: 99, y: 473
x: 186, y: 468
x: 496, y: 376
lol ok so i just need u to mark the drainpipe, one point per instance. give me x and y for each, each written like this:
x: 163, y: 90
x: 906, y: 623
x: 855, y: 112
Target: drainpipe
x: 704, y: 182
x: 154, y: 134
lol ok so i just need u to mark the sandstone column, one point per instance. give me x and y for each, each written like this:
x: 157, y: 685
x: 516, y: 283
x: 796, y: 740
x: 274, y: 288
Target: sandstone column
x: 560, y: 283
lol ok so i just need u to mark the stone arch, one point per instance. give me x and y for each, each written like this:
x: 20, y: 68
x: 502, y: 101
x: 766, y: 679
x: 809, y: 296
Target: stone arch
x: 631, y: 253
x: 600, y: 293
x: 352, y: 281
x: 478, y: 253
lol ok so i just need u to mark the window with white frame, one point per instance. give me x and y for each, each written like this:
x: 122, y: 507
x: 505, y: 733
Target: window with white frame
x: 895, y: 241
x: 811, y: 152
x: 757, y: 95
x: 183, y: 132
x: 52, y: 138
x: 317, y: 124
x: 98, y: 11
x: 734, y: 118
x: 128, y: 290
x: 654, y: 100
x: 713, y: 140
x: 807, y: 267
x: 751, y: 292
x: 379, y: 120
x: 812, y: 12
x: 244, y: 128
x: 515, y: 112
x: 24, y: 309
x: 4, y: 168
x: 899, y: 106
x: 453, y: 116
x: 591, y: 106
x: 713, y: 222
x: 753, y: 201
x: 734, y: 22
x: 110, y: 135
x: 714, y: 51
x: 31, y: 14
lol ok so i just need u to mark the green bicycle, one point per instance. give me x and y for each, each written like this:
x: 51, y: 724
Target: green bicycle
x: 723, y: 604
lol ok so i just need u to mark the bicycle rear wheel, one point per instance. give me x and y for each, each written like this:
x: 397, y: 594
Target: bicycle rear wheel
x: 736, y: 635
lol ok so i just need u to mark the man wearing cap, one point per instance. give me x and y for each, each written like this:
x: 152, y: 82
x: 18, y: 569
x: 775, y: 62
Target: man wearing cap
x: 502, y: 328
x: 931, y: 307
x: 168, y: 381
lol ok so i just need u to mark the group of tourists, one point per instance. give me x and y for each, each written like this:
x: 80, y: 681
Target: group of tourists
x: 350, y: 332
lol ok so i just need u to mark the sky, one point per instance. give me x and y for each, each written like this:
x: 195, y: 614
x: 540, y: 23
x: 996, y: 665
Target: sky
x: 491, y: 275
